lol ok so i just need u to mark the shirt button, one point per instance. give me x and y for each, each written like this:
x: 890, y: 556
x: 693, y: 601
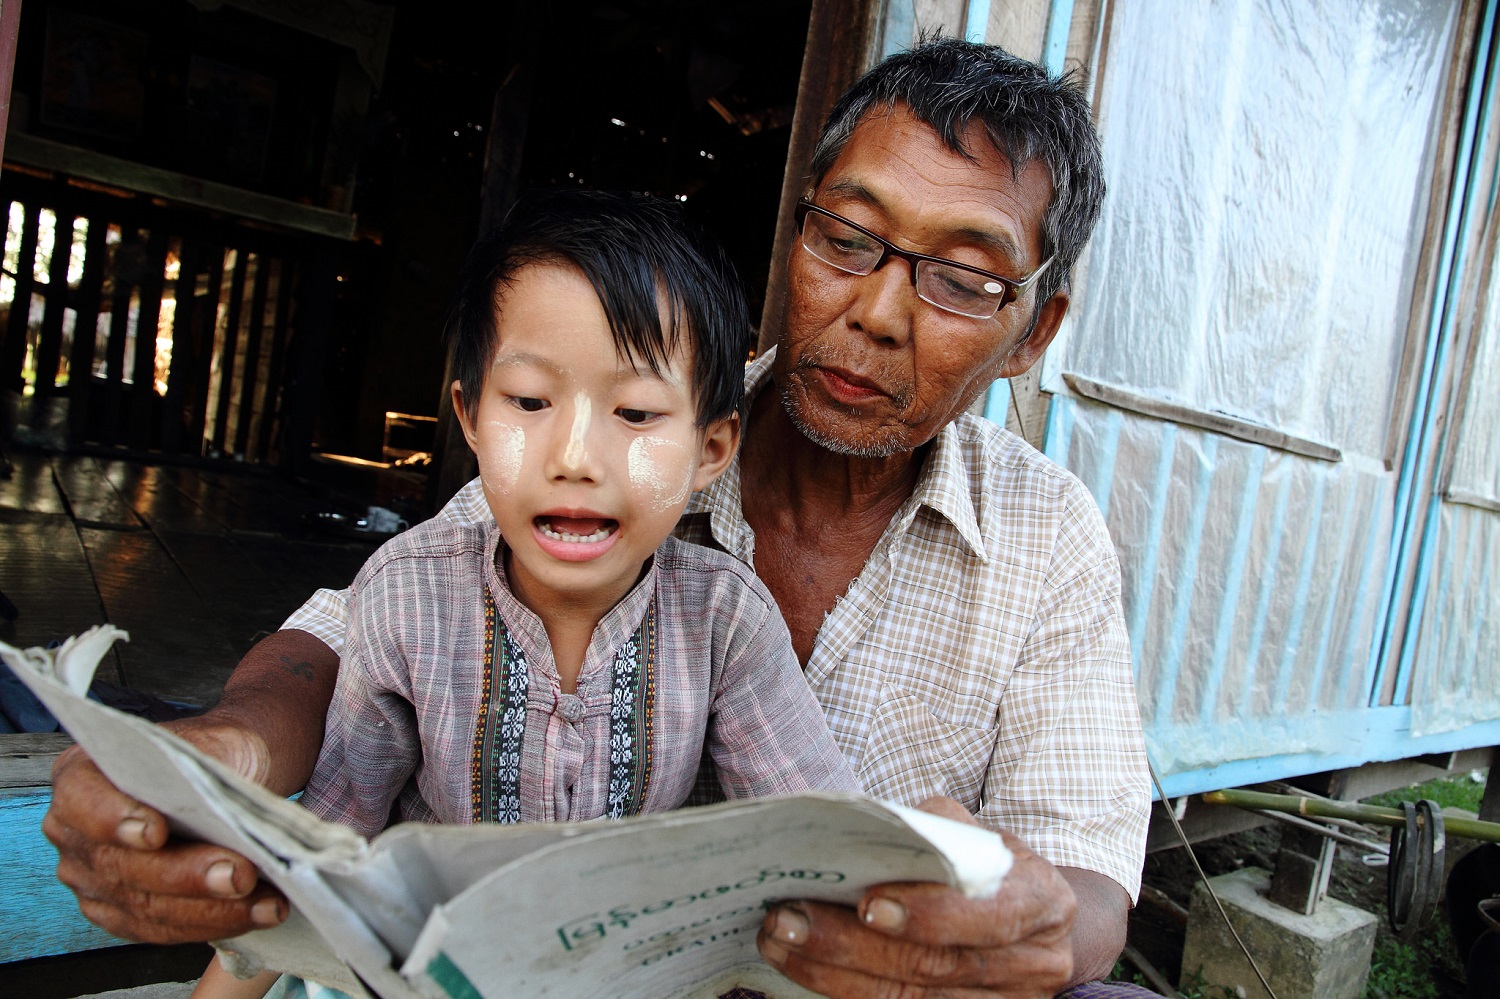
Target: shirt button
x: 571, y: 708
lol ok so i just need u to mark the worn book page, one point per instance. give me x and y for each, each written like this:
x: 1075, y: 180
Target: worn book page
x: 661, y: 905
x: 656, y: 905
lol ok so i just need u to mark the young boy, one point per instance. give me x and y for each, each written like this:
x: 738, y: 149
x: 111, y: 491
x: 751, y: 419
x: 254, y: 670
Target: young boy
x: 571, y: 660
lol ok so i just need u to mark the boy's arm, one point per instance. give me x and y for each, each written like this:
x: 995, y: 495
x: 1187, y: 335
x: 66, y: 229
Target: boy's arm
x: 371, y: 744
x: 113, y: 852
x: 767, y: 733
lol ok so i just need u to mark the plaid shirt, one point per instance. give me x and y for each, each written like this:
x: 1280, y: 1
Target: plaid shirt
x: 410, y: 687
x: 981, y: 653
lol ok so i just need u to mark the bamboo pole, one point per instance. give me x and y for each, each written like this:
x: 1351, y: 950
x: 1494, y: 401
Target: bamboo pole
x: 1488, y: 832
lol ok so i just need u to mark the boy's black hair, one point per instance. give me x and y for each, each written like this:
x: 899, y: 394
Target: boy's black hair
x: 638, y: 252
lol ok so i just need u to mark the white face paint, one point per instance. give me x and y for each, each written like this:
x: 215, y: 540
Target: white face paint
x: 502, y: 448
x: 577, y: 452
x: 661, y: 468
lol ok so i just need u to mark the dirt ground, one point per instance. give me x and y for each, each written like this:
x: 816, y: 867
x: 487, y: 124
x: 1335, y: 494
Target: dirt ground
x: 1430, y: 968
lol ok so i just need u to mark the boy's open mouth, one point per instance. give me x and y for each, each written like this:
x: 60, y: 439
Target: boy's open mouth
x: 577, y: 530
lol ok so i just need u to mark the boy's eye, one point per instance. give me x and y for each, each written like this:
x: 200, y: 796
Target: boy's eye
x: 527, y: 404
x: 636, y: 416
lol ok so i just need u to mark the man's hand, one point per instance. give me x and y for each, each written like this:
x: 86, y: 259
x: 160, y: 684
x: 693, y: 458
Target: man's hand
x: 114, y: 854
x: 113, y: 851
x: 909, y: 940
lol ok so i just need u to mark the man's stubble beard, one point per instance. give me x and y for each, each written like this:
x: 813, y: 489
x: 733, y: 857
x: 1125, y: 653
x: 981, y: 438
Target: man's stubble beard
x: 883, y: 446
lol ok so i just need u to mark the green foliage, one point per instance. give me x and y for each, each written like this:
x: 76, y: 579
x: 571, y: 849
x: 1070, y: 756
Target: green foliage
x: 1463, y: 791
x: 1194, y: 987
x: 1400, y: 971
x: 1412, y: 970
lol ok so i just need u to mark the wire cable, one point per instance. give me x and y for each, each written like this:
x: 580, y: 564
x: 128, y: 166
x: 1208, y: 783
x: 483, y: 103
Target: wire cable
x: 1167, y: 807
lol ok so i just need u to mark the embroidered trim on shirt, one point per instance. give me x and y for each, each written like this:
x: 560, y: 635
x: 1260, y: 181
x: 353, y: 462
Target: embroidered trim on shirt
x: 502, y: 723
x: 495, y: 777
x: 478, y: 772
x: 632, y: 720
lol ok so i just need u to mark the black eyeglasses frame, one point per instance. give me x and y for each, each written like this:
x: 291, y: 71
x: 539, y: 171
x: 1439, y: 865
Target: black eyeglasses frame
x: 1013, y: 288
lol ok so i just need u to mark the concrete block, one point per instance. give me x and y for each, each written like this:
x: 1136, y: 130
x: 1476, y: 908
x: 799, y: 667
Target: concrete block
x: 1322, y: 956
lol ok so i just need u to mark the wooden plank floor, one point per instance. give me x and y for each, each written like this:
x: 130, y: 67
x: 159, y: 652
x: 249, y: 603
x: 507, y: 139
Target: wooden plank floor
x: 195, y: 563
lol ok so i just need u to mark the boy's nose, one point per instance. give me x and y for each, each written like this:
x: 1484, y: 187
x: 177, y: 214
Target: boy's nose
x: 573, y: 452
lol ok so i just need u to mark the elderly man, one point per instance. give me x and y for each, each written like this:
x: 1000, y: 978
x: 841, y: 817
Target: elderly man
x: 952, y: 594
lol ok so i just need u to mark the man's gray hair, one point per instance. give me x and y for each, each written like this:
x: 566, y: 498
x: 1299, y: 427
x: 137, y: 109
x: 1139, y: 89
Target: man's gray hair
x: 949, y: 84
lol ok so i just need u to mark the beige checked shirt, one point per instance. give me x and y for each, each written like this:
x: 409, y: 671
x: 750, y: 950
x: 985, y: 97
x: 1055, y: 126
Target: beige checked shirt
x: 981, y: 653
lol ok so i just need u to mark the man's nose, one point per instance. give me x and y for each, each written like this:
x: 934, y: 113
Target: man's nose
x: 885, y: 302
x: 574, y: 452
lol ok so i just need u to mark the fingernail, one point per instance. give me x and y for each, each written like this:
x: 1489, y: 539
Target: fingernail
x: 885, y: 915
x: 774, y: 953
x: 790, y: 926
x: 132, y: 832
x: 220, y: 879
x: 266, y: 912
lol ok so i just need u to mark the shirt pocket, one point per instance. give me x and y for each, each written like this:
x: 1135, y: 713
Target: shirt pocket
x: 911, y: 754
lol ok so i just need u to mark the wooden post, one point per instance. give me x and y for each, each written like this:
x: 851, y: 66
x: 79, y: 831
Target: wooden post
x: 1489, y: 805
x: 1305, y: 858
x: 10, y: 26
x: 839, y: 34
x: 85, y: 332
x: 454, y: 462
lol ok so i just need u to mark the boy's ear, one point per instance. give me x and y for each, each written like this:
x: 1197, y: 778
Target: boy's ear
x: 462, y: 413
x: 720, y: 440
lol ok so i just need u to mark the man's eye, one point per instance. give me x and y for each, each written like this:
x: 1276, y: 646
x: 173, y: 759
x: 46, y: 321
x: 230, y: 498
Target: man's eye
x: 636, y: 416
x: 527, y: 404
x: 952, y: 283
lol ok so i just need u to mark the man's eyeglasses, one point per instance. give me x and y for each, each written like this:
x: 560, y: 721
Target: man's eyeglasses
x: 951, y: 286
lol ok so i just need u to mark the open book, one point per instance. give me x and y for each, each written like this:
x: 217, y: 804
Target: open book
x: 661, y: 905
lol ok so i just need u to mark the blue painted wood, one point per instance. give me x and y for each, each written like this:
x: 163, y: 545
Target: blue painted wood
x: 976, y: 20
x: 1325, y: 628
x: 1055, y: 44
x: 1153, y: 542
x: 1263, y: 599
x: 1103, y: 479
x: 1408, y: 541
x: 43, y: 915
x: 1386, y: 736
x: 1187, y: 576
x: 1059, y: 440
x: 997, y: 401
x: 1418, y: 603
x: 1310, y: 554
x: 1238, y: 557
x: 1352, y: 671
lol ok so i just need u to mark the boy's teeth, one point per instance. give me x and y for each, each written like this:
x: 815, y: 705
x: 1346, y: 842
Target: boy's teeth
x: 571, y: 538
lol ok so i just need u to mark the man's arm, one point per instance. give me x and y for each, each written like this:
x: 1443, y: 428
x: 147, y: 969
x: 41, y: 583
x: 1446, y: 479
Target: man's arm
x: 113, y: 851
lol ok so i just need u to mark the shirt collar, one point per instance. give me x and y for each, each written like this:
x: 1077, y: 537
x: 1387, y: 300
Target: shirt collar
x: 943, y: 485
x: 946, y: 487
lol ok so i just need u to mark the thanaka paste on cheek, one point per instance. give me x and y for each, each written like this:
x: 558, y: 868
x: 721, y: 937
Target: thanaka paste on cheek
x: 500, y: 457
x: 662, y: 468
x: 577, y: 453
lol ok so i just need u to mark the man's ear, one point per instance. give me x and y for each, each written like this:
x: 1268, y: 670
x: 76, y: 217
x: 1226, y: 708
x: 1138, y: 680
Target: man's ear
x: 460, y: 411
x: 720, y: 441
x: 1031, y: 349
